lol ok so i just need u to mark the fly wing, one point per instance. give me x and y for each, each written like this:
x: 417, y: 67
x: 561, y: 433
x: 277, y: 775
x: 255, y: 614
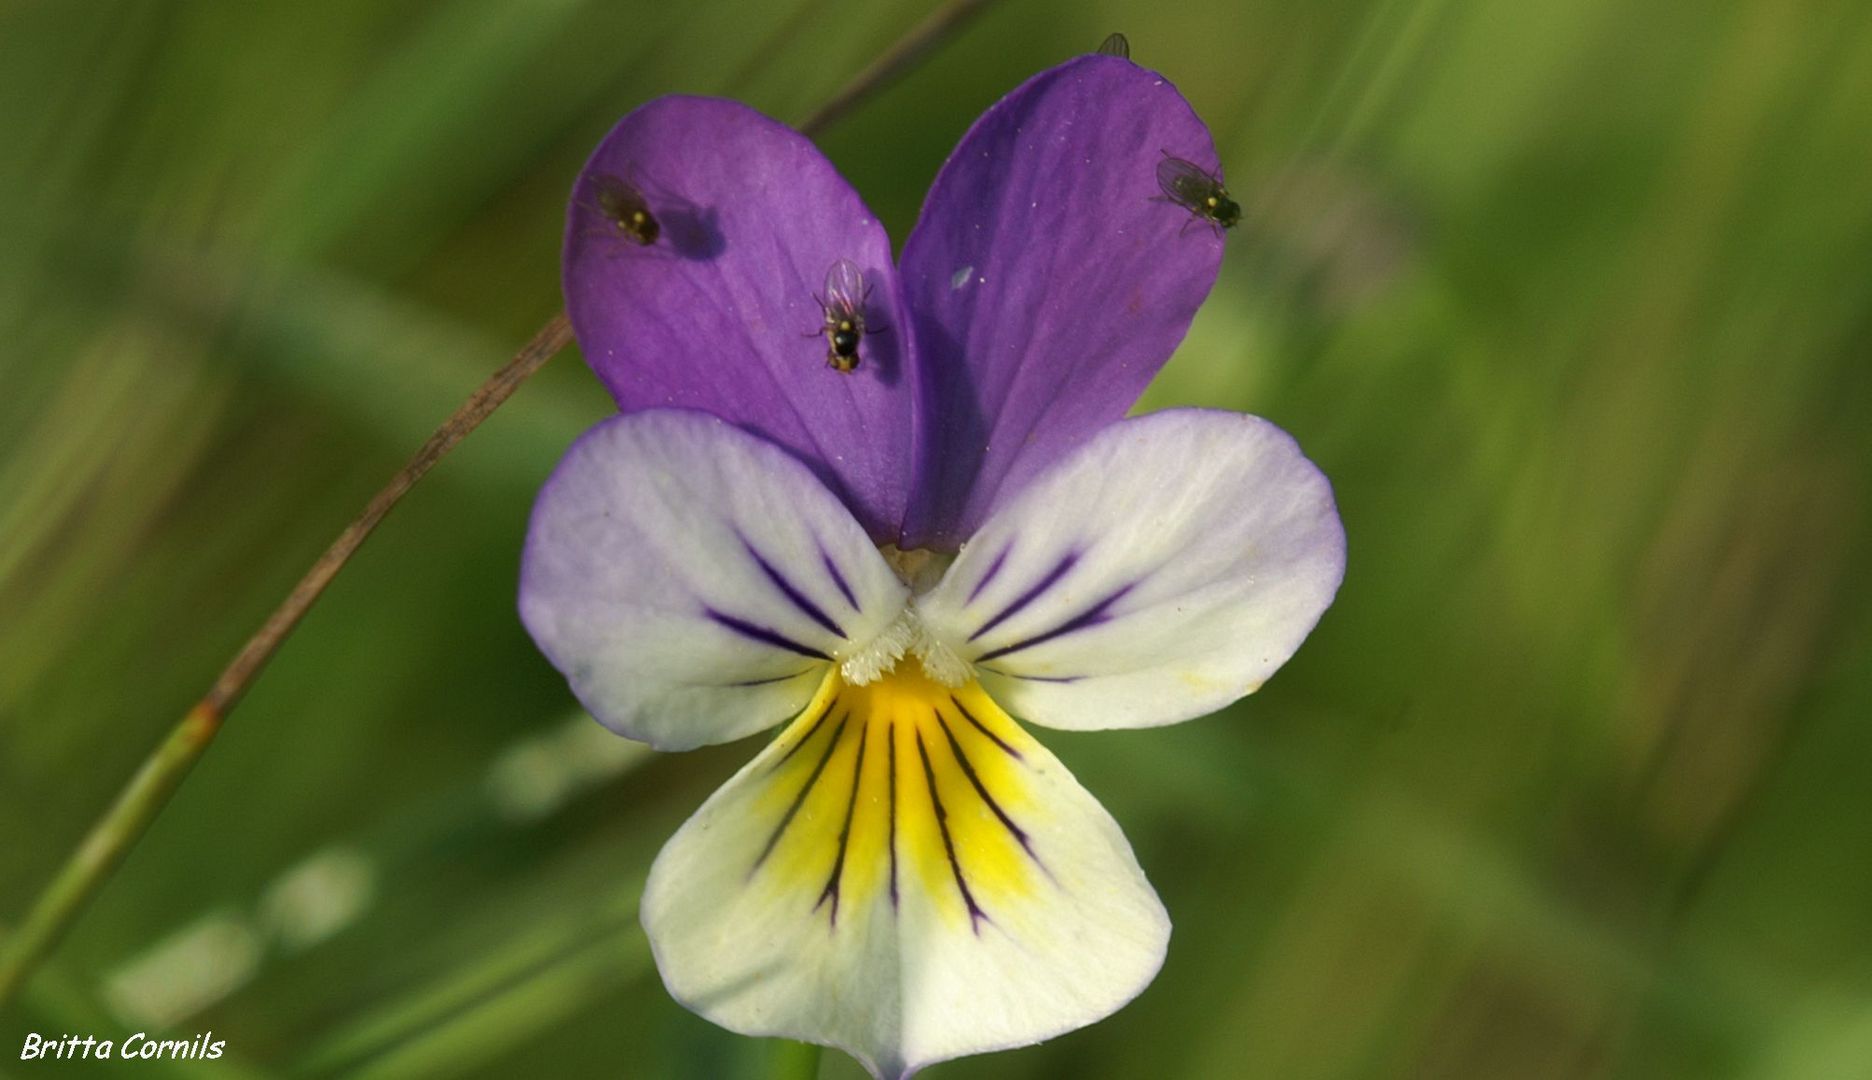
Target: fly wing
x: 618, y: 197
x: 1185, y: 182
x: 1115, y: 45
x: 844, y: 288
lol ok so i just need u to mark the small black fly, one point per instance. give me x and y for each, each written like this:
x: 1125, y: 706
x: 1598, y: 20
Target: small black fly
x: 627, y: 214
x: 845, y: 294
x: 1199, y: 191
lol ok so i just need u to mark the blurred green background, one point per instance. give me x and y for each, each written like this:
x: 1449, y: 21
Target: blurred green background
x: 1571, y: 298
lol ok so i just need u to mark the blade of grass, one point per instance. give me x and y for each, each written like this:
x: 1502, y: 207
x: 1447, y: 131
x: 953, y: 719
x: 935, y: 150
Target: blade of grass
x: 459, y: 1005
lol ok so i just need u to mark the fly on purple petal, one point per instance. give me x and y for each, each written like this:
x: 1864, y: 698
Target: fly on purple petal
x: 1115, y: 44
x: 1199, y: 191
x: 626, y: 212
x: 845, y: 293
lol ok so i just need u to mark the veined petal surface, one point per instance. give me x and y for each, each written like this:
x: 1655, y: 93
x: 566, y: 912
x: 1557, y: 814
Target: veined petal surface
x: 1049, y: 280
x: 1160, y: 572
x: 719, y: 313
x: 693, y: 582
x: 907, y: 875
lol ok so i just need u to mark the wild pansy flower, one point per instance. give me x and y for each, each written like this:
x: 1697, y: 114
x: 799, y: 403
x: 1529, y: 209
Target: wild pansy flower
x: 896, y: 560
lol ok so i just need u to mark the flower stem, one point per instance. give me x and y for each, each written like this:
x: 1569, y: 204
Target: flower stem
x: 789, y: 1060
x: 129, y: 817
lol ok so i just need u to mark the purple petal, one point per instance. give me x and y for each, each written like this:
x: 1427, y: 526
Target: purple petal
x: 718, y: 313
x: 694, y: 582
x: 1049, y: 281
x: 1161, y: 571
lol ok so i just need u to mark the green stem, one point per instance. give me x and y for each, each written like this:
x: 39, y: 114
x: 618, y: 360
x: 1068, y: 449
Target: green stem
x: 102, y: 850
x: 137, y: 805
x: 789, y: 1060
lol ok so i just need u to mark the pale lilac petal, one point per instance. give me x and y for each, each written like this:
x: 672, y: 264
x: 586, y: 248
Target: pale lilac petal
x: 1163, y: 570
x: 719, y: 313
x: 693, y: 582
x: 1049, y: 280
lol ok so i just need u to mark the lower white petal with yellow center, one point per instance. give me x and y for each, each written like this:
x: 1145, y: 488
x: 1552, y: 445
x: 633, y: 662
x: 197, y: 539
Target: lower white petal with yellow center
x: 904, y: 873
x: 907, y: 875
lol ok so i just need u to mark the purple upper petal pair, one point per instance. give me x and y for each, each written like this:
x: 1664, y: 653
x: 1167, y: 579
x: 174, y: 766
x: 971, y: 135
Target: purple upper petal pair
x: 1043, y: 286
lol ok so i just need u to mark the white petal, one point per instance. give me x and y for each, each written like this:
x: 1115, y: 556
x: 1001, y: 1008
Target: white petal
x: 693, y: 582
x: 1163, y: 570
x: 822, y: 894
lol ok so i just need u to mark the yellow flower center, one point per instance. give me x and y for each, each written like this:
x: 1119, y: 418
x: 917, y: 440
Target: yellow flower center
x: 900, y: 783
